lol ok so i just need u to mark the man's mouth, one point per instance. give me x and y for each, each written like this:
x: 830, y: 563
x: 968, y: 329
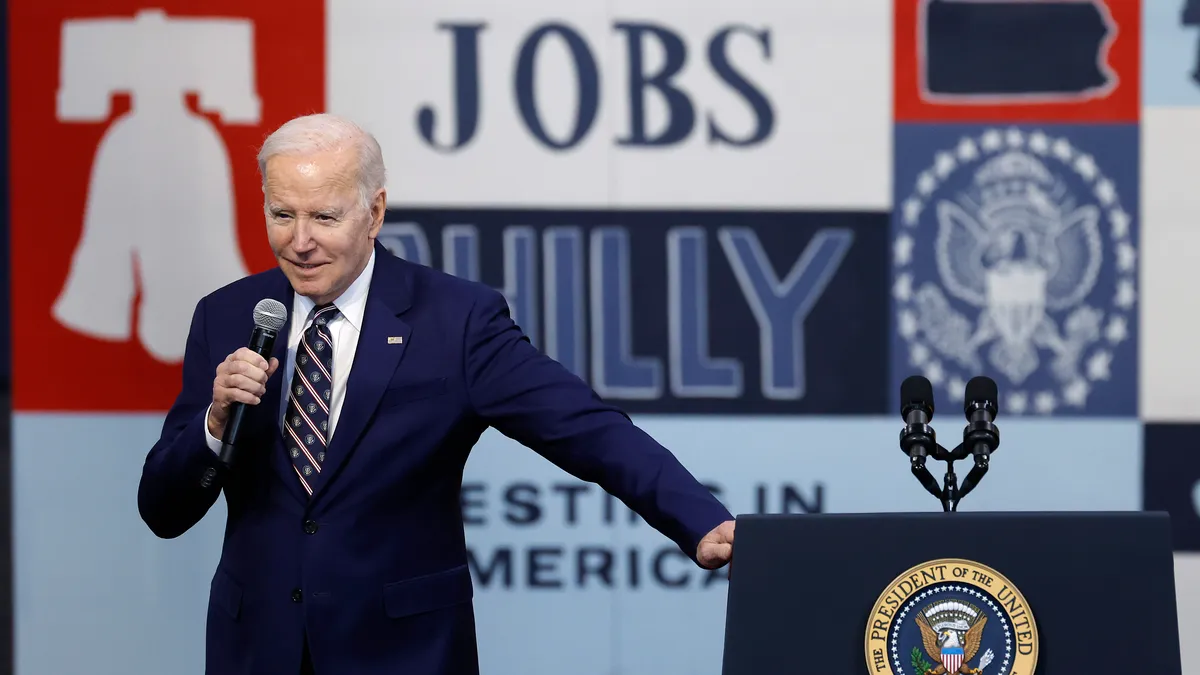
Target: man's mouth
x: 306, y: 266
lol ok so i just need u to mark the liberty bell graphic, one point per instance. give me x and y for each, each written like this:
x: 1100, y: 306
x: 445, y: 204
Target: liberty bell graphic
x: 160, y: 213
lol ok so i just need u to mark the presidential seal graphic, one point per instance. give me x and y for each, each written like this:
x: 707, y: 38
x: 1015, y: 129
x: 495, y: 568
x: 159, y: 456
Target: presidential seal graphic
x: 951, y: 616
x: 1015, y: 258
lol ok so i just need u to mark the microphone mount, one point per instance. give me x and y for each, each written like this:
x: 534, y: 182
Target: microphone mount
x: 980, y: 440
x: 917, y: 440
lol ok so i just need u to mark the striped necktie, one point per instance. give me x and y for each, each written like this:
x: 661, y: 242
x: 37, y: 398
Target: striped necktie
x: 307, y: 420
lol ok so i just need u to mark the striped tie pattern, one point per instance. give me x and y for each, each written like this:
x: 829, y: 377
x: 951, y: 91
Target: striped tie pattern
x: 306, y: 425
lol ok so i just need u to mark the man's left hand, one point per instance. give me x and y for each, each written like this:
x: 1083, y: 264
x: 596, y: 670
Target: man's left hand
x: 716, y: 548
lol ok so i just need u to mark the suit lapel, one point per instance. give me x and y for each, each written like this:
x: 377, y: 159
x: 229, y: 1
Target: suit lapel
x: 381, y: 345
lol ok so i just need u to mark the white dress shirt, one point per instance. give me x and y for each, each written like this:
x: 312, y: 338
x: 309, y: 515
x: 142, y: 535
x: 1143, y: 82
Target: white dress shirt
x: 344, y: 330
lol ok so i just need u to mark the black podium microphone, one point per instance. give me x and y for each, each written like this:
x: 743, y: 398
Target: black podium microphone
x: 916, y: 407
x: 981, y: 408
x: 917, y: 438
x: 980, y: 437
x: 270, y: 316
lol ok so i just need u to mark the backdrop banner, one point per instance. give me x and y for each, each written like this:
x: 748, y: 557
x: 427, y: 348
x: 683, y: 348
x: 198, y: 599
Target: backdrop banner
x: 566, y: 579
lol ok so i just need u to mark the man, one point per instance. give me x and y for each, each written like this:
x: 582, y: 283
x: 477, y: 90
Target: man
x: 344, y: 549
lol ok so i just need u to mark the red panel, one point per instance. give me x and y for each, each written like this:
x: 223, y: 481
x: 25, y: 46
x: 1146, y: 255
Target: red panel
x: 1120, y: 104
x: 57, y: 368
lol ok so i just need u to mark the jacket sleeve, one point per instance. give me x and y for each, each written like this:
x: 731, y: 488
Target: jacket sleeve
x: 181, y: 475
x: 534, y: 400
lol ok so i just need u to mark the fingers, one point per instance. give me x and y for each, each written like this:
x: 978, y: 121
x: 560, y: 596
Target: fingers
x: 242, y: 377
x: 246, y: 383
x: 255, y: 373
x: 721, y: 553
x: 247, y: 355
x: 713, y: 555
x: 240, y: 396
x: 716, y: 548
x: 727, y: 529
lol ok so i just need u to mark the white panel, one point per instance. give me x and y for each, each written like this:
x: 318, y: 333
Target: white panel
x: 827, y: 79
x: 1170, y: 359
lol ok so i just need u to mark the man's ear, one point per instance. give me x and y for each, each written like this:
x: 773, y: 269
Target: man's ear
x: 378, y: 210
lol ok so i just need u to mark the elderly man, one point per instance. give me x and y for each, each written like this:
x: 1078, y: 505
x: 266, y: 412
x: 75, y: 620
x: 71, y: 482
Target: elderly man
x: 344, y: 549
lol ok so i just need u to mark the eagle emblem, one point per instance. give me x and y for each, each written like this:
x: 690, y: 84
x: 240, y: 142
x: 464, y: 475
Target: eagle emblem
x: 1015, y: 256
x: 951, y: 616
x: 953, y: 637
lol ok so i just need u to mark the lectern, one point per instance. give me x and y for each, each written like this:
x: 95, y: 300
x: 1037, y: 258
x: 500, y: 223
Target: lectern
x: 925, y: 594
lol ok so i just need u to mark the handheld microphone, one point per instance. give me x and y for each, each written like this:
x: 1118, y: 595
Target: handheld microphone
x: 270, y: 316
x: 980, y: 437
x: 917, y: 438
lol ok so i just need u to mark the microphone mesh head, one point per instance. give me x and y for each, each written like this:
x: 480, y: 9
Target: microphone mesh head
x: 270, y: 314
x: 982, y: 388
x: 916, y: 390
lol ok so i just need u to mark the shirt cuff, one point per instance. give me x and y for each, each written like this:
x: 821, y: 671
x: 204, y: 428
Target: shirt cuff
x: 214, y: 443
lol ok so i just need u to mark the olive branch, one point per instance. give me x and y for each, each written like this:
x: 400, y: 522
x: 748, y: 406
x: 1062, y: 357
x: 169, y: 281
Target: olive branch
x: 919, y: 664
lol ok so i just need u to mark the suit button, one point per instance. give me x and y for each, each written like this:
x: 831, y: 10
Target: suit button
x: 310, y: 527
x: 209, y: 474
x: 297, y: 596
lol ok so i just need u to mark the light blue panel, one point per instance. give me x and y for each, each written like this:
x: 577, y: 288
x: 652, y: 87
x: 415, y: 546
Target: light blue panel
x: 561, y: 624
x: 95, y: 591
x: 1170, y: 52
x: 838, y: 465
x: 90, y: 575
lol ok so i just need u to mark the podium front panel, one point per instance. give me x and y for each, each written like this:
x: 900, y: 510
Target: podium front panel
x: 927, y: 594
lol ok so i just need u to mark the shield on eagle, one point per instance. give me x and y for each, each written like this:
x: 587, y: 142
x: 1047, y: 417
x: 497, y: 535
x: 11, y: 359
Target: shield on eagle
x: 952, y: 658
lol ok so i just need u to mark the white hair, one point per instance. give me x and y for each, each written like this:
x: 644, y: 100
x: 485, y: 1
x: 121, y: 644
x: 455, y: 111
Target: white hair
x: 324, y: 132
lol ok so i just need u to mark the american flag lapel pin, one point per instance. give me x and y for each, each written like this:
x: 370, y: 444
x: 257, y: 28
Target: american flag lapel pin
x: 396, y: 340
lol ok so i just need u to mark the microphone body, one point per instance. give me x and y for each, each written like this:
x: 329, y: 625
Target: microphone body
x: 980, y: 437
x: 269, y: 317
x: 917, y: 438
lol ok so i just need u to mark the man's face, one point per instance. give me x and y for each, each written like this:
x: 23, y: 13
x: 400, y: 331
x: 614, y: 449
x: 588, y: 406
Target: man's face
x: 320, y: 234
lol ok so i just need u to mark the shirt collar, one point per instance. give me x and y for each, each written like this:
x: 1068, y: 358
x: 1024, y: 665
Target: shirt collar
x: 351, y: 304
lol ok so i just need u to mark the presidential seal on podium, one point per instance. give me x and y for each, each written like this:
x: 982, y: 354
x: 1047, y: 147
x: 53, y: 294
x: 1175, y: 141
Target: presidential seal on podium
x: 951, y: 616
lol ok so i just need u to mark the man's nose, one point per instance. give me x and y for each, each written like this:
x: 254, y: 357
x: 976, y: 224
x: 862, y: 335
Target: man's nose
x: 302, y: 239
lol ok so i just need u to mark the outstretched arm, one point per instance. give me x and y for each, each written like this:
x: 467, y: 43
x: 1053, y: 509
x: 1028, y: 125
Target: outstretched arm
x: 534, y: 400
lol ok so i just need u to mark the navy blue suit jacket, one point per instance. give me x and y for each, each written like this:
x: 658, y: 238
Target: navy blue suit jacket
x: 373, y: 567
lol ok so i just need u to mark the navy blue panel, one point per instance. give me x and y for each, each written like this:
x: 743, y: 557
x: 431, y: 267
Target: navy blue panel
x: 1015, y: 256
x: 1190, y: 17
x: 1014, y: 47
x: 1191, y: 13
x: 1074, y: 573
x: 1171, y: 479
x: 684, y: 312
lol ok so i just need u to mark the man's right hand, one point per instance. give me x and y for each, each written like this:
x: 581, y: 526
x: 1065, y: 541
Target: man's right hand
x: 242, y: 376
